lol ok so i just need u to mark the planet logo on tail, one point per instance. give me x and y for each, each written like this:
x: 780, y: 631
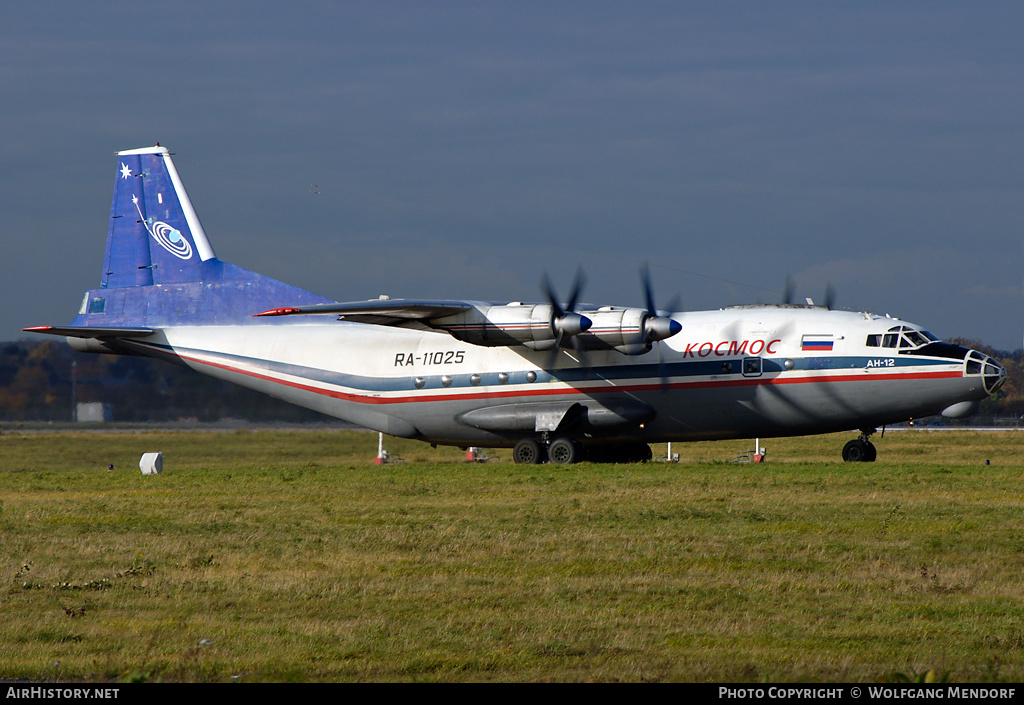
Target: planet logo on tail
x: 168, y: 237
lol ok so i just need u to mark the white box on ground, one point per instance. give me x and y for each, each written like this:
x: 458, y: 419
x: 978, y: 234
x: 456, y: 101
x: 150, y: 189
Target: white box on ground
x: 151, y: 463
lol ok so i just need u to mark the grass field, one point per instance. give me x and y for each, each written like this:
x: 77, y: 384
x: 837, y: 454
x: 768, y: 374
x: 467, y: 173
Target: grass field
x: 290, y: 556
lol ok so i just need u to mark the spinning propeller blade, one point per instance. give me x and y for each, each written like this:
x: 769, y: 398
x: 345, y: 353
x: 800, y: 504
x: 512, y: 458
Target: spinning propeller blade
x: 830, y: 297
x: 789, y: 290
x: 655, y: 327
x: 565, y: 320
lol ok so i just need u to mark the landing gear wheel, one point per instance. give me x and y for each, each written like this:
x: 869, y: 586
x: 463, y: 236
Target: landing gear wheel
x: 872, y: 453
x: 563, y: 451
x: 859, y: 451
x: 528, y: 452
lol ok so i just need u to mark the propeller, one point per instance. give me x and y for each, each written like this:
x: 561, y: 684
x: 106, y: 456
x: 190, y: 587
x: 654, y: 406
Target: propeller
x: 790, y: 288
x: 787, y: 291
x: 565, y: 320
x: 655, y: 327
x: 830, y: 297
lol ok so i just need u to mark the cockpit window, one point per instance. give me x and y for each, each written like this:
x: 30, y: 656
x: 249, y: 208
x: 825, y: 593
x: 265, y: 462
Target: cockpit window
x: 915, y: 338
x: 902, y: 337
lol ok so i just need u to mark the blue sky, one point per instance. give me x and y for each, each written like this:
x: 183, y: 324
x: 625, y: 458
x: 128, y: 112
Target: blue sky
x: 461, y: 150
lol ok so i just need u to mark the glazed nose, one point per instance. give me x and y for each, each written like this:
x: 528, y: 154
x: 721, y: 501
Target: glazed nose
x: 990, y: 370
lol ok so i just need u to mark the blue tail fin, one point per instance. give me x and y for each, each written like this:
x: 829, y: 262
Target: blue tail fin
x: 160, y: 269
x: 154, y: 236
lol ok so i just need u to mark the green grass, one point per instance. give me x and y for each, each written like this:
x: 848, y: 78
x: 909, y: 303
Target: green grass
x: 289, y: 555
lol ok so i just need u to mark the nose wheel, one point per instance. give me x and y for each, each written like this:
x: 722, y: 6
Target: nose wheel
x: 860, y: 450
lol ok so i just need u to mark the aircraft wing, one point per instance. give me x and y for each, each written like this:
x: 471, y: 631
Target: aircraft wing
x: 400, y: 313
x: 91, y: 331
x: 539, y: 326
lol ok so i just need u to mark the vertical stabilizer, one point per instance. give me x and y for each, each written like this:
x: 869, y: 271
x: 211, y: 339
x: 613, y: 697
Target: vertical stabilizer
x: 155, y: 236
x: 159, y: 268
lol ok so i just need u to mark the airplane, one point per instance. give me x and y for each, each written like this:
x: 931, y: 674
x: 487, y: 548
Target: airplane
x: 557, y: 382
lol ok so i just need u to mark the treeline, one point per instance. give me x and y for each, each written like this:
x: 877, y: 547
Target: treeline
x: 42, y: 381
x: 1009, y: 400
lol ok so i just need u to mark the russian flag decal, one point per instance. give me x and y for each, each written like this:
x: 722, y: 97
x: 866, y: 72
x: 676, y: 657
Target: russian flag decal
x: 816, y: 343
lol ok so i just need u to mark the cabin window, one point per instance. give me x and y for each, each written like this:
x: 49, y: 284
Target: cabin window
x: 97, y: 305
x: 874, y: 340
x: 752, y: 367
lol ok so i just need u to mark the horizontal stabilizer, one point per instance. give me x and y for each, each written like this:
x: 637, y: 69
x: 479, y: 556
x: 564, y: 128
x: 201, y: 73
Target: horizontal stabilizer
x: 91, y: 331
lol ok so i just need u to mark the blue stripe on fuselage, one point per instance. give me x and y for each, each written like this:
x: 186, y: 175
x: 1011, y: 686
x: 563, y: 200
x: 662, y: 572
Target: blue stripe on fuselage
x: 612, y: 373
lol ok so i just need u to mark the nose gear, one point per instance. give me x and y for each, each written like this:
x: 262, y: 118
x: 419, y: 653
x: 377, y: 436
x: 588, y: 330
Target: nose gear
x: 860, y: 450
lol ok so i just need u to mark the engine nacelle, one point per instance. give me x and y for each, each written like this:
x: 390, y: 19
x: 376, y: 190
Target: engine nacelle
x: 619, y: 329
x: 630, y: 331
x: 536, y: 326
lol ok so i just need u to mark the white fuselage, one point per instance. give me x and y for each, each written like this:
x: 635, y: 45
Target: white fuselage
x: 739, y: 372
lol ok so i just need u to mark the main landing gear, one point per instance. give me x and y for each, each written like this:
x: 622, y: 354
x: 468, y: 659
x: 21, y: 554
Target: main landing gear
x: 528, y: 452
x: 563, y: 450
x: 860, y: 450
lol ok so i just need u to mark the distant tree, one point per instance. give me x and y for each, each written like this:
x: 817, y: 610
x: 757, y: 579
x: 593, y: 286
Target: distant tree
x: 36, y: 381
x: 1009, y: 400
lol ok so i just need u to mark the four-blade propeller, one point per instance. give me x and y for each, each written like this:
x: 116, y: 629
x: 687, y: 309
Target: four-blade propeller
x: 654, y: 325
x: 565, y: 321
x: 657, y: 327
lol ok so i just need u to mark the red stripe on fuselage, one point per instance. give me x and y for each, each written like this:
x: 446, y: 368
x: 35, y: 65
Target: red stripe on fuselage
x: 429, y: 396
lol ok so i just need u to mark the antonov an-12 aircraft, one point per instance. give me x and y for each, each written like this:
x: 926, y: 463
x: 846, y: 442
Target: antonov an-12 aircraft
x: 556, y: 381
